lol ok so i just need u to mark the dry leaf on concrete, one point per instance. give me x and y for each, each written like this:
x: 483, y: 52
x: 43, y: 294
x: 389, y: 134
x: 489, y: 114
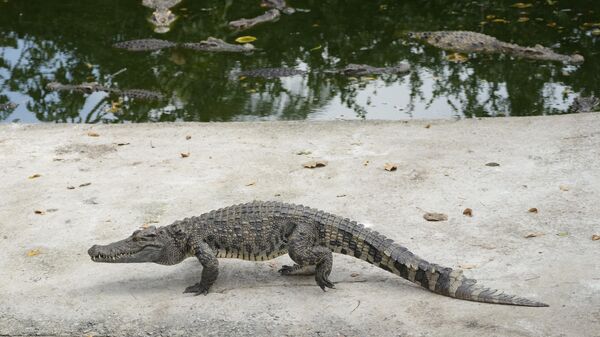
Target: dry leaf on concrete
x: 435, y: 217
x: 468, y: 212
x: 37, y: 211
x: 315, y: 164
x: 34, y: 176
x: 185, y: 154
x: 533, y: 210
x: 595, y: 237
x: 533, y: 235
x: 390, y: 167
x: 492, y: 164
x: 467, y: 266
x: 33, y: 252
x: 93, y: 134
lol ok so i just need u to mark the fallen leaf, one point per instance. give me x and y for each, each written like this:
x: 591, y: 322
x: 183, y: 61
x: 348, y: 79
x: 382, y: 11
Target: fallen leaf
x: 467, y: 266
x: 315, y: 48
x: 468, y: 212
x: 490, y: 17
x: 427, y: 126
x: 390, y: 167
x: 315, y: 164
x: 252, y: 183
x: 340, y: 195
x: 354, y: 274
x: 521, y: 5
x: 523, y: 19
x: 93, y: 134
x: 596, y: 32
x: 366, y: 163
x: 122, y: 144
x: 303, y: 152
x: 435, y: 217
x: 563, y: 188
x: 85, y: 184
x: 492, y: 164
x: 457, y: 58
x: 500, y: 21
x: 33, y: 252
x: 533, y: 235
x: 144, y: 226
x: 115, y: 106
x: 245, y: 39
x: 533, y: 210
x: 37, y: 211
x: 34, y: 176
x: 368, y: 78
x: 562, y: 234
x: 188, y: 137
x: 185, y: 154
x: 70, y: 187
x: 551, y: 24
x: 595, y: 237
x: 52, y: 210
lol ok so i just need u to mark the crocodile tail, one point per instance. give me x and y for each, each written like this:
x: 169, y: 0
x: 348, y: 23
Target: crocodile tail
x: 350, y: 238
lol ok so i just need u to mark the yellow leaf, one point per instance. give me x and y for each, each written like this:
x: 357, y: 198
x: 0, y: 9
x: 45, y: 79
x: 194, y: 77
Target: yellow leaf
x: 35, y: 176
x: 368, y: 78
x: 551, y: 24
x: 33, y: 252
x: 490, y: 17
x: 390, y: 167
x: 523, y: 19
x: 500, y: 21
x: 521, y: 5
x: 93, y: 134
x: 457, y: 58
x: 316, y: 48
x: 245, y: 39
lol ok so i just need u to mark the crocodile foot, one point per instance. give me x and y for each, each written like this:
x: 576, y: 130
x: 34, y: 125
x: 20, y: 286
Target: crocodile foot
x: 197, y: 289
x: 297, y: 269
x: 324, y: 282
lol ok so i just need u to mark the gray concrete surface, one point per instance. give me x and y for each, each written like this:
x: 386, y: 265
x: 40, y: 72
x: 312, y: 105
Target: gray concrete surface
x: 551, y: 163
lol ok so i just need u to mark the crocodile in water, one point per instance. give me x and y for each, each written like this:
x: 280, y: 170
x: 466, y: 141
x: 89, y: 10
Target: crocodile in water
x: 210, y: 45
x: 349, y: 70
x: 280, y: 5
x: 88, y: 88
x: 260, y: 231
x: 162, y: 18
x: 8, y: 106
x: 268, y: 16
x: 472, y: 42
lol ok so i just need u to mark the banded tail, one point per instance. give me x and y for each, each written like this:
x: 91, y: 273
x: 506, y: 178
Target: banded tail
x: 349, y: 238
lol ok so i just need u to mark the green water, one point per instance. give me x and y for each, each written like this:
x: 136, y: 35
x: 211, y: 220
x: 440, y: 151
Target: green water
x: 70, y: 41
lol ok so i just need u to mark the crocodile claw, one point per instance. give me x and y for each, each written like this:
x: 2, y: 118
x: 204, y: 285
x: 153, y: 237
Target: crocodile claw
x: 286, y: 270
x: 325, y: 283
x: 197, y: 289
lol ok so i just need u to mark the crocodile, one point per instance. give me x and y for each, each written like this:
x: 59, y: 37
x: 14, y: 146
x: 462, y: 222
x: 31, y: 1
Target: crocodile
x: 472, y: 42
x: 162, y: 18
x: 88, y: 88
x: 259, y: 231
x: 349, y: 70
x: 8, y: 106
x: 584, y: 104
x: 280, y: 5
x: 210, y: 45
x: 243, y: 24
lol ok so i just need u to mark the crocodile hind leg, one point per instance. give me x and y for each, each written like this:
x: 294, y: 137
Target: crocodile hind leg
x: 305, y: 251
x: 297, y: 269
x: 210, y: 269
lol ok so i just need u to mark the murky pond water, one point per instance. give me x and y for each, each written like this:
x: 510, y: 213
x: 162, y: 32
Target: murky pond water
x: 70, y: 41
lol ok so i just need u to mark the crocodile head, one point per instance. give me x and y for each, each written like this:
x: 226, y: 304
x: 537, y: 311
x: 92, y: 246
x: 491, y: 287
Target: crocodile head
x: 146, y: 245
x: 162, y: 19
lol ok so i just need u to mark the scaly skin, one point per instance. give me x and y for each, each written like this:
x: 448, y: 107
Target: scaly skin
x: 88, y: 88
x: 243, y: 24
x: 584, y: 104
x: 472, y: 42
x: 8, y: 106
x: 280, y: 5
x: 363, y: 70
x: 271, y: 72
x: 162, y: 18
x: 209, y: 45
x: 260, y: 231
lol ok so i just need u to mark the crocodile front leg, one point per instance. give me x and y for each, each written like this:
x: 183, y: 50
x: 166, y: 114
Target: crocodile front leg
x: 305, y: 251
x: 210, y: 269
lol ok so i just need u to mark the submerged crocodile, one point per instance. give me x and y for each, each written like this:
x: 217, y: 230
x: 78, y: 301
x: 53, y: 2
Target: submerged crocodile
x: 260, y: 231
x: 472, y: 42
x: 268, y: 16
x: 88, y: 88
x: 8, y: 106
x: 210, y: 45
x: 162, y: 18
x: 584, y: 104
x: 280, y: 5
x: 349, y: 70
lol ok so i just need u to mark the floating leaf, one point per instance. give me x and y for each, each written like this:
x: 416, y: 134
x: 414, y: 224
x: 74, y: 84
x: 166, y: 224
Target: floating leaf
x: 551, y: 24
x: 33, y: 252
x: 521, y: 5
x: 490, y: 17
x: 185, y: 154
x: 596, y: 32
x: 533, y: 210
x: 315, y: 164
x: 595, y: 237
x: 468, y: 212
x: 93, y: 134
x: 500, y: 21
x: 315, y: 48
x: 115, y: 106
x: 390, y: 167
x: 34, y: 176
x: 245, y: 39
x: 523, y: 19
x: 368, y: 78
x: 435, y: 217
x: 492, y: 164
x: 457, y: 58
x: 533, y: 235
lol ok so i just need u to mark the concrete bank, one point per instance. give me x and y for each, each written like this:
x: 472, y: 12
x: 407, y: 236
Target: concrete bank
x: 97, y: 184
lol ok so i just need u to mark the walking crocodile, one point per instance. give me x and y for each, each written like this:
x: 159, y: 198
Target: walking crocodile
x: 210, y: 45
x: 349, y: 70
x: 472, y: 42
x: 88, y: 88
x: 260, y: 231
x: 162, y: 18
